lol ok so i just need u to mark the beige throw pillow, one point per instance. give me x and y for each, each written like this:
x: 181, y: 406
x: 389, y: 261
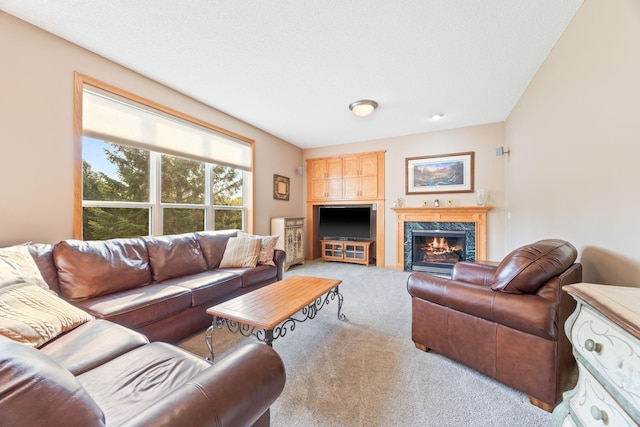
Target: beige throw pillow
x: 34, y: 316
x: 17, y: 265
x: 241, y: 252
x: 267, y: 248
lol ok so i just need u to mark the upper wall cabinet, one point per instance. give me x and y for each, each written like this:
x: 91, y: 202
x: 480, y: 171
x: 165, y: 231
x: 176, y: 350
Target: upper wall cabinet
x: 350, y: 177
x: 326, y: 168
x: 324, y: 180
x: 358, y: 165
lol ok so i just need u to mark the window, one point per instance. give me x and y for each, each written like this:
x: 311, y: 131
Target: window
x: 147, y: 172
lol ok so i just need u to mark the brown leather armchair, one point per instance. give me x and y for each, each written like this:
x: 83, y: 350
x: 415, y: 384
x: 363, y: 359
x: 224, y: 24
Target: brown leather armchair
x: 504, y: 320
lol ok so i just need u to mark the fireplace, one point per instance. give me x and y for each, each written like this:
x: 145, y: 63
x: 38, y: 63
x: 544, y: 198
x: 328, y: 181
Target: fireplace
x: 436, y: 251
x: 472, y: 220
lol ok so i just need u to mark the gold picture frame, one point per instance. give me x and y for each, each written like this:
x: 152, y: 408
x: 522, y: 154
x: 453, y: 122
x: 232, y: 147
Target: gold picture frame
x: 280, y: 187
x: 444, y: 173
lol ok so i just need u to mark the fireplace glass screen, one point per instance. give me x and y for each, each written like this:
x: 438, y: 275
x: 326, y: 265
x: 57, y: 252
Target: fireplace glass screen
x: 437, y: 251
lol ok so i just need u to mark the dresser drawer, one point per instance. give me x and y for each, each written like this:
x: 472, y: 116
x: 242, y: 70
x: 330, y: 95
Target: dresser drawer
x: 594, y: 406
x: 294, y: 222
x: 611, y: 354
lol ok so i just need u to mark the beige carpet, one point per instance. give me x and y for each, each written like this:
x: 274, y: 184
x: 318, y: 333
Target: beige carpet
x: 365, y: 371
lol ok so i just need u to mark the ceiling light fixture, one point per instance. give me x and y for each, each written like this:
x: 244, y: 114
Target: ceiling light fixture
x: 363, y: 108
x: 437, y: 116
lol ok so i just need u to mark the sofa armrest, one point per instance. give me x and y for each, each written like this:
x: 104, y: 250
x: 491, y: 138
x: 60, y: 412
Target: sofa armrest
x: 470, y: 298
x: 531, y: 314
x: 36, y: 391
x: 279, y: 257
x: 236, y: 391
x: 479, y: 273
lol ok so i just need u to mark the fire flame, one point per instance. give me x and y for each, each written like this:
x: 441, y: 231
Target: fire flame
x: 440, y: 243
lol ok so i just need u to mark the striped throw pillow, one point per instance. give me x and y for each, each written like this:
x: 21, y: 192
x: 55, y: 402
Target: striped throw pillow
x: 241, y: 252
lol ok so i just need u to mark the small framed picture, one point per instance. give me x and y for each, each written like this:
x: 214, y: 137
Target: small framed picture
x: 280, y: 187
x: 445, y: 173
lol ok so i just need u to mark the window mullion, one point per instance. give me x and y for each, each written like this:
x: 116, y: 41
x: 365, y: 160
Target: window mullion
x: 244, y: 199
x: 155, y: 172
x: 208, y: 198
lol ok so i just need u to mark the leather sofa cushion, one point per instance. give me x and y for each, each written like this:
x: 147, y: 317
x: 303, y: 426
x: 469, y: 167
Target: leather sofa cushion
x: 139, y: 307
x: 92, y: 344
x: 479, y: 273
x: 208, y: 286
x: 213, y: 244
x: 255, y: 275
x: 139, y: 378
x: 174, y: 256
x: 88, y: 269
x: 40, y: 392
x: 525, y: 269
x: 42, y: 254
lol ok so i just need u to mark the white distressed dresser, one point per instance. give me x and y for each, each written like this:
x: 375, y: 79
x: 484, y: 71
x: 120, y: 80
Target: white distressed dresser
x: 291, y: 232
x: 605, y: 333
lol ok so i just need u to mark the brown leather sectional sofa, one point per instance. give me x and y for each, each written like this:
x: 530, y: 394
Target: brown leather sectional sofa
x: 102, y: 374
x: 160, y: 286
x: 505, y: 320
x: 105, y: 372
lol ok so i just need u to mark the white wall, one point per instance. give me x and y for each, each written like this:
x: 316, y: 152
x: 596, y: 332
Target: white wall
x: 575, y: 145
x: 36, y: 134
x: 489, y: 174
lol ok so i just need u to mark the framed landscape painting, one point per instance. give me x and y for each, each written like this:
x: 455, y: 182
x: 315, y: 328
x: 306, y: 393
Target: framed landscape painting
x: 446, y: 173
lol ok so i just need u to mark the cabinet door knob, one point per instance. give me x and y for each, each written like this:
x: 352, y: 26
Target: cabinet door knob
x: 599, y: 414
x: 591, y: 345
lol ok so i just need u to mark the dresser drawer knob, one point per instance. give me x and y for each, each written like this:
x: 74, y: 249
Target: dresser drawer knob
x: 599, y: 414
x: 591, y: 345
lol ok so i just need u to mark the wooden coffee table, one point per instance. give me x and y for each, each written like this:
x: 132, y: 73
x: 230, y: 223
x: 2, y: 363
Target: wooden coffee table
x: 267, y: 313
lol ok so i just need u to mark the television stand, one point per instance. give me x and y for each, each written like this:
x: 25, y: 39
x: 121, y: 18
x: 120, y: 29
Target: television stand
x: 356, y: 252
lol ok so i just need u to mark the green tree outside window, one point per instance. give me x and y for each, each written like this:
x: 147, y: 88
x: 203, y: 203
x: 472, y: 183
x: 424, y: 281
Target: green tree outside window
x: 124, y: 176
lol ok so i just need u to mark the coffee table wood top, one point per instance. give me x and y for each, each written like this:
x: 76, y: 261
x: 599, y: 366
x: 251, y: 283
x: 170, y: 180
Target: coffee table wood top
x: 271, y: 305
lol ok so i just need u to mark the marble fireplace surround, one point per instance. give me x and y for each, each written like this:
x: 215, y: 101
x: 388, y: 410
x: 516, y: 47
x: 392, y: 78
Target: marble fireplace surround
x: 459, y: 214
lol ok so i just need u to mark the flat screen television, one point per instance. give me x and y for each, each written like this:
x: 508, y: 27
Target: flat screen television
x: 345, y: 222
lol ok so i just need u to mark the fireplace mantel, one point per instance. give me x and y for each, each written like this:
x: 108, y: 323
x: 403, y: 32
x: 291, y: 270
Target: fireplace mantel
x: 475, y: 214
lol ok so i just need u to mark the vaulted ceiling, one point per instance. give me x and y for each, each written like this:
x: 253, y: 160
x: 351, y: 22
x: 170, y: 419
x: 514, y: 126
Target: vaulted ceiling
x: 292, y: 67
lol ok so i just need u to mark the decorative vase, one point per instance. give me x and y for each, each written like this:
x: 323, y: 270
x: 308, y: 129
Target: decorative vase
x: 482, y: 196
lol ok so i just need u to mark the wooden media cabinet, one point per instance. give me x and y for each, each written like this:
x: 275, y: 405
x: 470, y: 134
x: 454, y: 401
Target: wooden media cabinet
x: 356, y: 252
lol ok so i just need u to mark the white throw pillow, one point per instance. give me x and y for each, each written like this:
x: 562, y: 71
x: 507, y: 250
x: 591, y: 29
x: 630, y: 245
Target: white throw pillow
x: 17, y: 265
x: 267, y: 248
x: 34, y: 316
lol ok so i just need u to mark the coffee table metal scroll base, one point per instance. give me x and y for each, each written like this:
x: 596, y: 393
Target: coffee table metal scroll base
x: 269, y: 335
